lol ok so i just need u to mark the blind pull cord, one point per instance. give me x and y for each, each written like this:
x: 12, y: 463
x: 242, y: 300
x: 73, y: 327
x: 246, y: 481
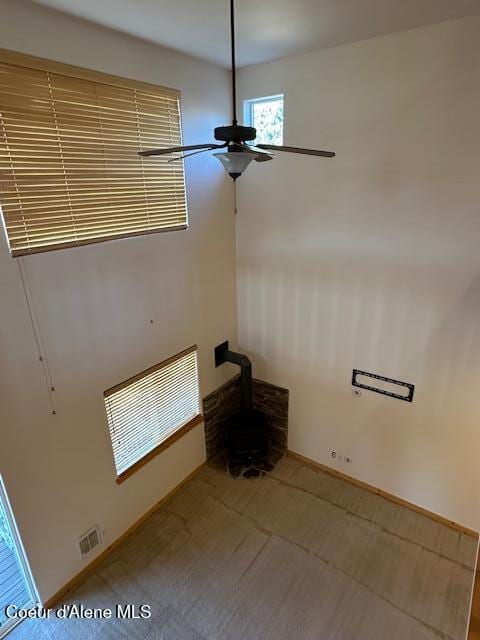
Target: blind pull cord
x: 37, y: 334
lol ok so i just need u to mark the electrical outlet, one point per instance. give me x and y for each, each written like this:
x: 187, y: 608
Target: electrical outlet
x: 340, y: 457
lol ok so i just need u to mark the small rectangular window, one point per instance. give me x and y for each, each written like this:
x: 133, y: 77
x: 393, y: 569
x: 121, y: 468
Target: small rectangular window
x: 150, y: 411
x: 266, y: 115
x: 69, y: 143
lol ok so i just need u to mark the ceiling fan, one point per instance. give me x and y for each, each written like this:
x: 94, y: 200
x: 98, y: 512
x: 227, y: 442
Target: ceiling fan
x: 239, y: 154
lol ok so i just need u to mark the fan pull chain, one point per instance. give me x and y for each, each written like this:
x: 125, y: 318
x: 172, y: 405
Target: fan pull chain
x: 235, y: 198
x: 37, y: 334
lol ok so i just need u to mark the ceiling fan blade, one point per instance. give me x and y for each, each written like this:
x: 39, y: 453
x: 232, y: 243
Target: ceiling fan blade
x: 260, y: 156
x: 162, y: 152
x: 187, y: 155
x: 307, y: 152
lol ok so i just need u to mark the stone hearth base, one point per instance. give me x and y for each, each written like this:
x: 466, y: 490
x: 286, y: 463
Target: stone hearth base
x: 224, y: 402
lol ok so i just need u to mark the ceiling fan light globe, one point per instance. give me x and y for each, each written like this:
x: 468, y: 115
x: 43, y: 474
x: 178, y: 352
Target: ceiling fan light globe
x: 234, y: 162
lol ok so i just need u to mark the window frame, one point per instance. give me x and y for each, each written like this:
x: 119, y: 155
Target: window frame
x: 22, y: 558
x: 248, y: 110
x: 170, y: 439
x: 36, y: 63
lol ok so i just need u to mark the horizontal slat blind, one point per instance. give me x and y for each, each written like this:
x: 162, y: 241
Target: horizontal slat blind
x: 145, y: 410
x: 70, y: 170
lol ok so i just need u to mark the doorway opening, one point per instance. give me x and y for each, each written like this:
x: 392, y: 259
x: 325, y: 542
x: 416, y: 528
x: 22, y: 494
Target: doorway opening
x: 16, y: 583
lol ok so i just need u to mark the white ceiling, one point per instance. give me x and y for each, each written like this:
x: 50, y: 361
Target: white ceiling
x: 267, y: 29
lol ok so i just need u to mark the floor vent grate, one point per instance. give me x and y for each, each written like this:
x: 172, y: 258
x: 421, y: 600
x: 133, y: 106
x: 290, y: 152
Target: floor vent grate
x: 88, y: 541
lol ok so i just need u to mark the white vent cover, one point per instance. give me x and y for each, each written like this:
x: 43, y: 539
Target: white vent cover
x: 88, y: 541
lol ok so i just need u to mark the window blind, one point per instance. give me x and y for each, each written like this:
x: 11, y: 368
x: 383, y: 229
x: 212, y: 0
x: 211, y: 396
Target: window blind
x: 70, y: 169
x: 147, y: 410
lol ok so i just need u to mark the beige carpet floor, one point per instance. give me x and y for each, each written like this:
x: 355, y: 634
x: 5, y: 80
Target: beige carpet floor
x: 298, y: 554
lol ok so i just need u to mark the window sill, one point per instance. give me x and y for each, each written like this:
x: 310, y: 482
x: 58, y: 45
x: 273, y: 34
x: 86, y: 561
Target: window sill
x: 159, y: 448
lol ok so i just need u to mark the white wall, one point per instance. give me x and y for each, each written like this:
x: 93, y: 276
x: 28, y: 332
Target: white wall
x: 371, y: 260
x: 94, y: 306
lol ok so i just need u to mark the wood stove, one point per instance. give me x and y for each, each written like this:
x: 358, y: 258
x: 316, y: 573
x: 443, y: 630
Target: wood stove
x: 247, y: 432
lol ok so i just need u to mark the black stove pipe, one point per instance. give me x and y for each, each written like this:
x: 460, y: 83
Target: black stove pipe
x: 223, y: 354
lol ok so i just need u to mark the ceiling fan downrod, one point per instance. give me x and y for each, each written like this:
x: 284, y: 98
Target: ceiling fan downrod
x: 234, y: 65
x: 237, y: 158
